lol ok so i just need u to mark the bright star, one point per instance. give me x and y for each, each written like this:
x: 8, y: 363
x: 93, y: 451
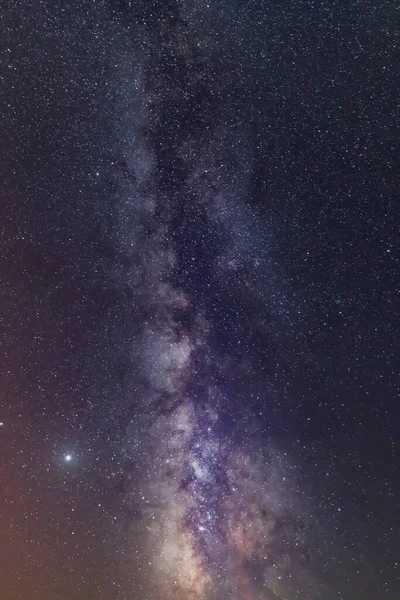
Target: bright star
x: 68, y: 457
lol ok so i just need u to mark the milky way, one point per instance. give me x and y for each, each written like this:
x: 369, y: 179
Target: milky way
x: 214, y: 509
x: 198, y: 291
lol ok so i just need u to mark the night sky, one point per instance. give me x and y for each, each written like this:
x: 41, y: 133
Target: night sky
x: 198, y: 267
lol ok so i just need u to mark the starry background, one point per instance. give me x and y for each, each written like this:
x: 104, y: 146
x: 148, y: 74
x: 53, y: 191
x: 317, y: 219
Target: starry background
x: 199, y: 259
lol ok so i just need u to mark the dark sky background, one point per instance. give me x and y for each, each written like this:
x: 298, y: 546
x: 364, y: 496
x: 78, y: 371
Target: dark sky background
x: 199, y: 257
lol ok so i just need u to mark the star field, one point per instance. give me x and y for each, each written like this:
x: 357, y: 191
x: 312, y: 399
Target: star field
x: 198, y: 280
